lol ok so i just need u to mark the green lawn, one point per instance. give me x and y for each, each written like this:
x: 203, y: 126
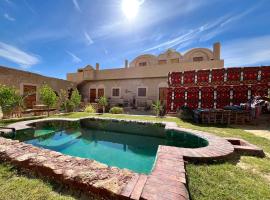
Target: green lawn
x: 247, y: 178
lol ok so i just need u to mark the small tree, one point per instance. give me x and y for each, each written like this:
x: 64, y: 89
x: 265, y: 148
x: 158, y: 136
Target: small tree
x: 48, y: 97
x: 63, y: 99
x: 9, y: 99
x: 157, y: 107
x: 75, y: 99
x: 103, y: 102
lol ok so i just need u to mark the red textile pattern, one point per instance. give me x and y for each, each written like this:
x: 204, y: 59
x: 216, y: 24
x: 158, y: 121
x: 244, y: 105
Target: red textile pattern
x: 240, y: 94
x: 259, y: 90
x: 170, y: 100
x: 207, y: 97
x: 189, y: 77
x: 250, y: 75
x: 217, y: 76
x: 233, y: 75
x: 179, y: 97
x: 203, y: 77
x: 193, y: 97
x: 223, y: 96
x: 176, y: 78
x: 265, y: 74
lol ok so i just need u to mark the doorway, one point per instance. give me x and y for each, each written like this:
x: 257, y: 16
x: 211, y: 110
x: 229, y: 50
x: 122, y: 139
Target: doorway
x: 163, y: 94
x: 100, y: 92
x: 93, y: 95
x: 29, y: 91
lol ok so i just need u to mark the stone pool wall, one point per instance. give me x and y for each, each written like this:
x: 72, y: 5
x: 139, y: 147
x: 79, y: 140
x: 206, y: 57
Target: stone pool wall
x: 166, y: 181
x: 81, y: 174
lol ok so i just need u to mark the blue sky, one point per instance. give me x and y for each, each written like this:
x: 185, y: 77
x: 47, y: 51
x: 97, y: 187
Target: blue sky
x: 54, y: 37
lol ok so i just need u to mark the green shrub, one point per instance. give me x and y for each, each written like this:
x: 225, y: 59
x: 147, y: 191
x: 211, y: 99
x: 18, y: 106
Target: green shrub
x: 89, y: 109
x: 116, y: 110
x: 48, y: 97
x: 103, y: 102
x: 75, y: 99
x: 9, y: 99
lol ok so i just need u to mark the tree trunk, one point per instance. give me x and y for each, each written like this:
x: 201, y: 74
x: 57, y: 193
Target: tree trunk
x: 103, y: 109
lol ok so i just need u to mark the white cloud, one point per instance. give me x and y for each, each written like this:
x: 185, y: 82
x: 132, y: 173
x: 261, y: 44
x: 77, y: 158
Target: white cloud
x: 88, y: 38
x: 17, y: 55
x: 75, y: 58
x: 202, y: 33
x: 76, y: 5
x: 247, y: 51
x: 8, y: 17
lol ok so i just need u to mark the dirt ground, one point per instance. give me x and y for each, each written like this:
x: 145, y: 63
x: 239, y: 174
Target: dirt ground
x: 259, y: 127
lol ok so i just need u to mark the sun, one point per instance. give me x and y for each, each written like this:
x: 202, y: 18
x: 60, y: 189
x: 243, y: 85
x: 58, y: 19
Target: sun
x: 131, y: 8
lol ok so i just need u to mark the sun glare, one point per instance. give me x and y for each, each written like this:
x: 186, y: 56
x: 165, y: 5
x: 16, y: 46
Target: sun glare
x: 130, y: 8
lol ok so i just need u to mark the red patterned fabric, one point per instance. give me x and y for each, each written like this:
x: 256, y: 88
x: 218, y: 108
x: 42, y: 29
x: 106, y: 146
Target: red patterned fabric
x: 217, y: 76
x: 250, y: 75
x: 170, y: 101
x: 207, y: 97
x: 176, y: 78
x: 223, y: 96
x: 240, y: 94
x: 203, y: 77
x: 265, y: 74
x: 233, y: 76
x: 179, y: 97
x: 259, y: 90
x: 239, y: 87
x: 193, y: 97
x: 189, y: 77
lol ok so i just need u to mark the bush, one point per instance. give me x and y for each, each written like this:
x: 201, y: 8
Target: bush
x: 9, y: 99
x: 116, y: 110
x: 89, y: 109
x: 75, y: 99
x: 103, y: 102
x: 48, y: 97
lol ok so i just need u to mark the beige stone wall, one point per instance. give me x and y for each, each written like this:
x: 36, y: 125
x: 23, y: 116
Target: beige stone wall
x: 18, y: 78
x: 146, y: 70
x: 128, y: 89
x: 155, y: 66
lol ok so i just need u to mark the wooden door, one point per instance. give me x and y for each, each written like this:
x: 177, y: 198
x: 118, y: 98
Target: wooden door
x: 163, y: 94
x: 30, y: 92
x: 93, y: 95
x: 100, y: 92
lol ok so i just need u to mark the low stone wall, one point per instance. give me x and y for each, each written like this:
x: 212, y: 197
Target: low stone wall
x: 166, y: 181
x: 85, y: 175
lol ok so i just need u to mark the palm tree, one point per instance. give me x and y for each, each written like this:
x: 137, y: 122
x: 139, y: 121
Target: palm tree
x: 157, y: 107
x: 103, y: 102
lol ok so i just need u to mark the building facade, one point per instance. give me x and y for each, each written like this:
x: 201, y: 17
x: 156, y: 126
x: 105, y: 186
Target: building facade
x: 29, y: 83
x: 144, y: 80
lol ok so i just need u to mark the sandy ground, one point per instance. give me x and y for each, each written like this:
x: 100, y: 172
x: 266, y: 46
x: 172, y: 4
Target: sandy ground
x: 259, y: 127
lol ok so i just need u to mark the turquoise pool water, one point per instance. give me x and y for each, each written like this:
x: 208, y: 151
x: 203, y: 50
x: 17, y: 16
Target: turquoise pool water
x: 120, y: 148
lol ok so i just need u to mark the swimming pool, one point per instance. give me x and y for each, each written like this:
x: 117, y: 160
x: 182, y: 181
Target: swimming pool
x: 131, y: 145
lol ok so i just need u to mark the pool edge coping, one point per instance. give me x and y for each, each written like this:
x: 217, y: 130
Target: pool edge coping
x: 166, y: 163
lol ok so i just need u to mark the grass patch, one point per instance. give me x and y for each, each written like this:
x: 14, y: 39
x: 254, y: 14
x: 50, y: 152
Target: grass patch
x: 221, y: 181
x: 13, y: 185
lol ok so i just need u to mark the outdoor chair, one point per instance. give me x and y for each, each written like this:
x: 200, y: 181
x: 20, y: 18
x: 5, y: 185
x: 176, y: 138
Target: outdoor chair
x: 205, y: 116
x: 226, y: 117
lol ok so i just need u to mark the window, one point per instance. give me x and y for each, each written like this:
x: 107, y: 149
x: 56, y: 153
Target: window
x: 116, y: 92
x: 196, y: 59
x: 142, y: 64
x: 175, y: 60
x: 141, y: 92
x: 161, y: 62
